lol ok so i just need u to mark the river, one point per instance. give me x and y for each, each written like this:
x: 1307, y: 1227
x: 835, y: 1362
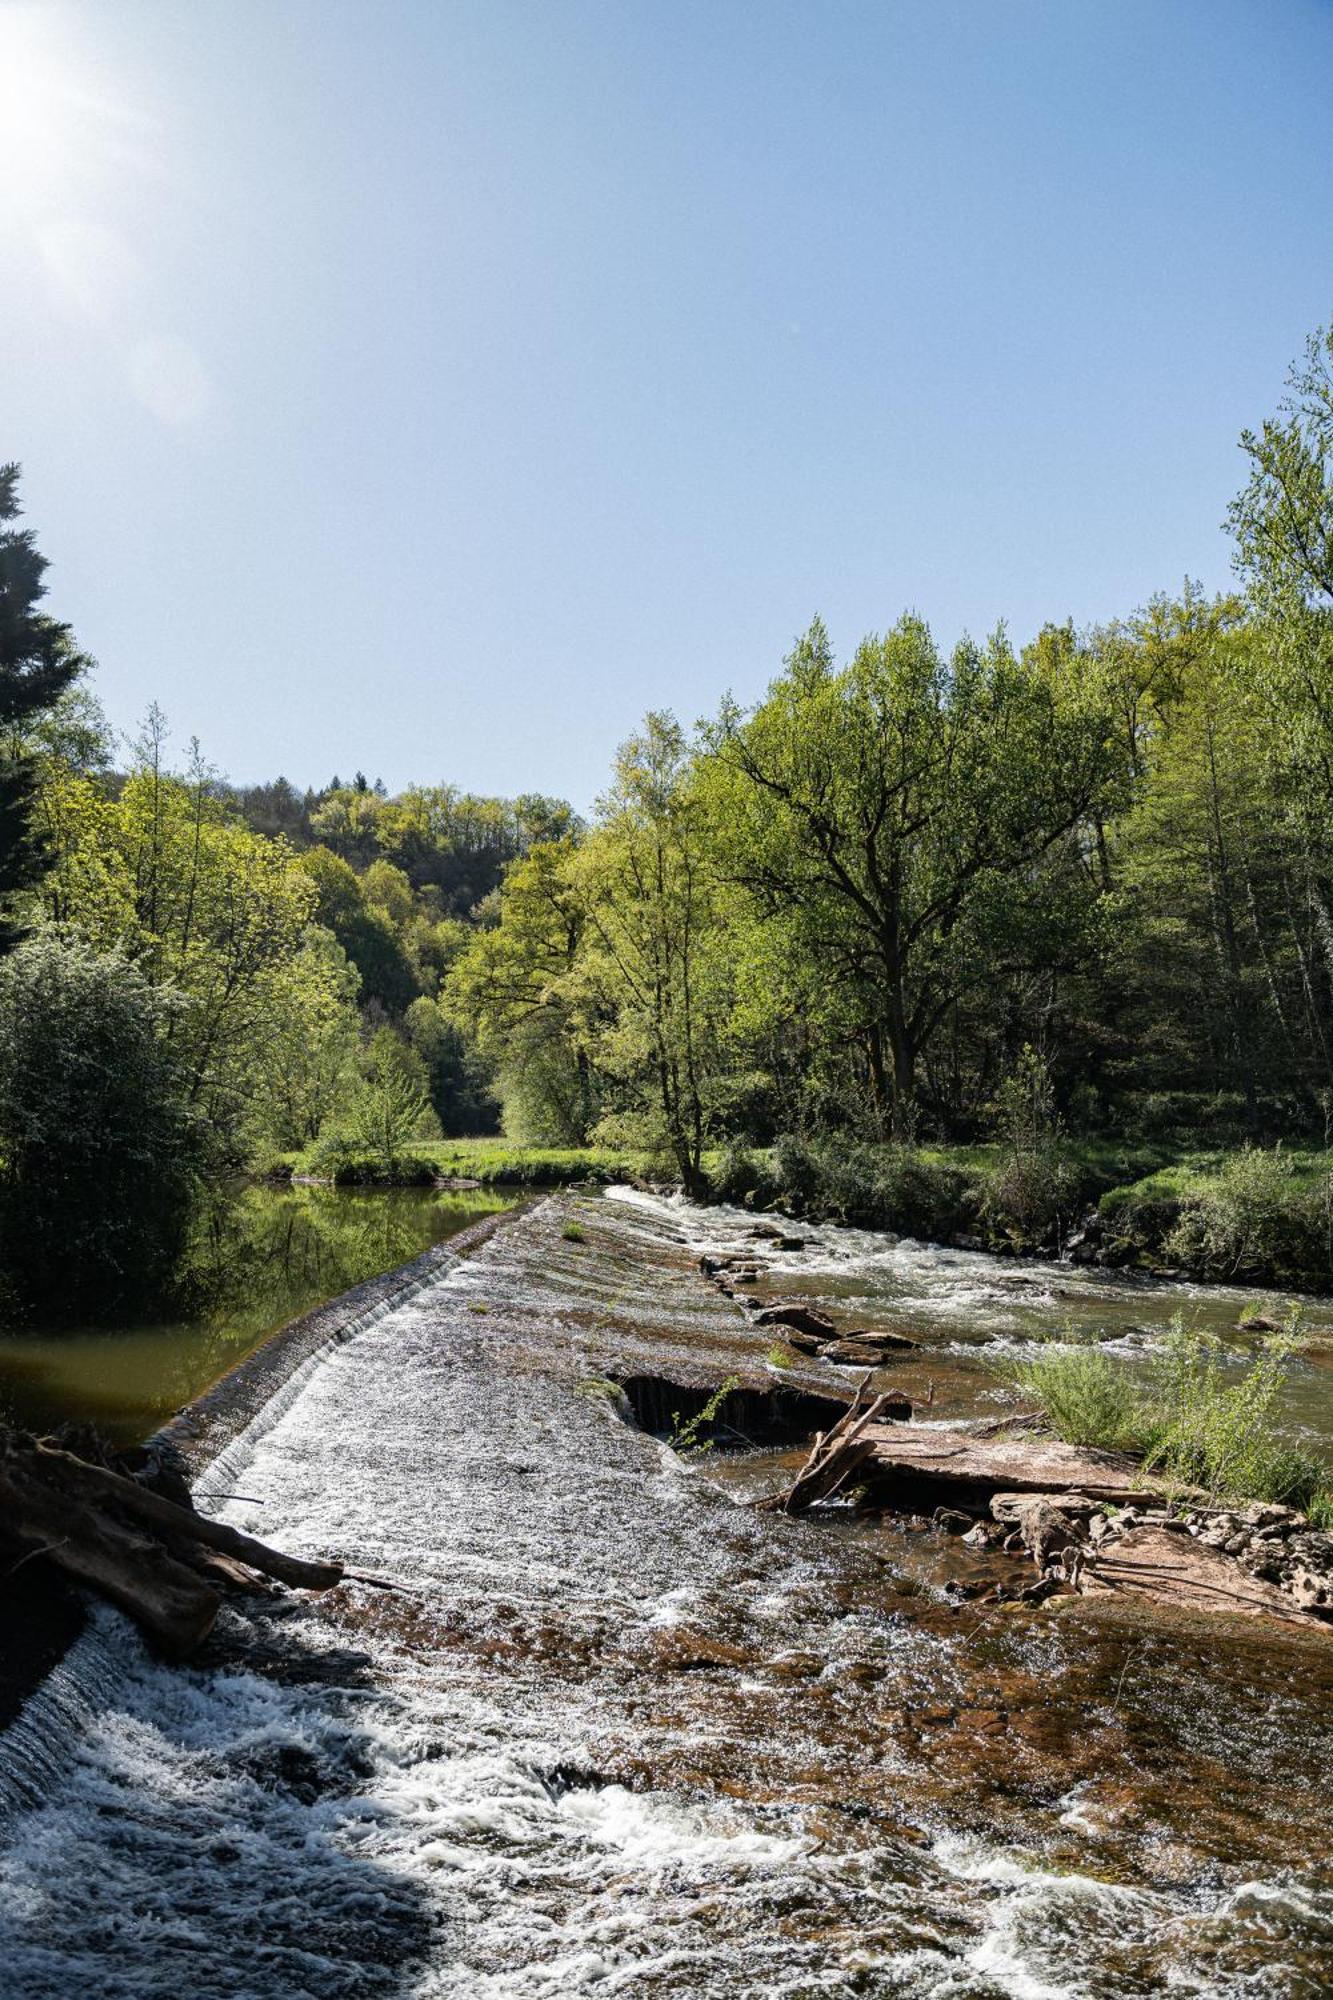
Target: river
x: 258, y: 1259
x: 616, y: 1733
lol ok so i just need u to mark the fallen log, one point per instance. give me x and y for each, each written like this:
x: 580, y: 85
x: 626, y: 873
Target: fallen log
x: 153, y: 1557
x: 913, y: 1464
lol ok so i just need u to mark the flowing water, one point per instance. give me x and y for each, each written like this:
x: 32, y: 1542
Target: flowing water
x: 259, y: 1260
x: 616, y: 1733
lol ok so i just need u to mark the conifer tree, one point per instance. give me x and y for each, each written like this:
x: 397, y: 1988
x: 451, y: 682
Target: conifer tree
x: 38, y: 661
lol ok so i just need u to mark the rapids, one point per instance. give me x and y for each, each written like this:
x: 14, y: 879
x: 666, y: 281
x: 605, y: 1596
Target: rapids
x: 618, y: 1734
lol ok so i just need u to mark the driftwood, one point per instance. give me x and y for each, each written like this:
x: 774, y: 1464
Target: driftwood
x: 153, y: 1557
x: 839, y: 1452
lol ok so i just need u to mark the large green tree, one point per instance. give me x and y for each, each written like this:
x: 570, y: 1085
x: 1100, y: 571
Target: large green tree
x: 910, y: 825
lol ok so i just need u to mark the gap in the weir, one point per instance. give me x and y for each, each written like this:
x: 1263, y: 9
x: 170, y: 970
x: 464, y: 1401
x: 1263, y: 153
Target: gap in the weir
x: 742, y: 1418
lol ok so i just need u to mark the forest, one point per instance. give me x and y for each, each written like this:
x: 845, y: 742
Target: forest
x: 997, y: 941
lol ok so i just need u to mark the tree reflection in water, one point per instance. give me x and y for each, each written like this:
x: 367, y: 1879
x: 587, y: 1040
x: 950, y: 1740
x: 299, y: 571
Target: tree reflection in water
x: 257, y: 1260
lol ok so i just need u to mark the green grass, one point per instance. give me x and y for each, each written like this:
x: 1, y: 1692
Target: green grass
x: 571, y: 1233
x: 500, y: 1162
x: 1190, y: 1421
x: 1085, y: 1397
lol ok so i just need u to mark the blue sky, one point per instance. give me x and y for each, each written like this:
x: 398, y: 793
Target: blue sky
x: 433, y: 387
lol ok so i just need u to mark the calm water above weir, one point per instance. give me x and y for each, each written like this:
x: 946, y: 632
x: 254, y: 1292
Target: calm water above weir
x: 617, y: 1734
x: 265, y: 1258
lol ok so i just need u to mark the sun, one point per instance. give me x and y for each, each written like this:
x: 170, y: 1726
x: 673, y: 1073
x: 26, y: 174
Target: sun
x: 59, y: 131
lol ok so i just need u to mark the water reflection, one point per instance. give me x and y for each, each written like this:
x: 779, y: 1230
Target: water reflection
x: 258, y: 1261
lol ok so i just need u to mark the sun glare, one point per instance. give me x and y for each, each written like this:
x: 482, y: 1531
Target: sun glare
x: 58, y: 129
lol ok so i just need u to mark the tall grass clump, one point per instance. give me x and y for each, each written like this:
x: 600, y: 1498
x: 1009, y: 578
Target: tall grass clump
x: 1085, y: 1397
x: 1221, y: 1433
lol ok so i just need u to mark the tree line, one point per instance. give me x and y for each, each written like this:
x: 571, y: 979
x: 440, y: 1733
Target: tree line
x: 896, y: 890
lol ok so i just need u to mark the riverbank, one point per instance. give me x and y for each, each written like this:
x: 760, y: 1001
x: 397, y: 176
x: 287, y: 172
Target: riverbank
x: 613, y: 1728
x: 1250, y: 1216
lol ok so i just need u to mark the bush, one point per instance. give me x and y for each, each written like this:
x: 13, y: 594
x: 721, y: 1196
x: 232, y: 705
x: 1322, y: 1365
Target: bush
x: 1031, y: 1197
x: 1086, y: 1397
x: 878, y: 1187
x: 1254, y: 1218
x: 739, y: 1176
x: 1224, y: 1435
x: 1189, y: 1422
x: 347, y: 1164
x: 100, y: 1155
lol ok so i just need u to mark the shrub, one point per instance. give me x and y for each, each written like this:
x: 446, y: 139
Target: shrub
x: 347, y: 1164
x: 1031, y: 1197
x: 1253, y: 1218
x: 1085, y: 1396
x: 1224, y: 1435
x: 1189, y: 1421
x: 879, y: 1187
x: 100, y: 1154
x: 739, y: 1176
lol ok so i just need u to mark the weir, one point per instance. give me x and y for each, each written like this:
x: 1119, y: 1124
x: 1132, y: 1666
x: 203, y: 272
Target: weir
x: 614, y: 1732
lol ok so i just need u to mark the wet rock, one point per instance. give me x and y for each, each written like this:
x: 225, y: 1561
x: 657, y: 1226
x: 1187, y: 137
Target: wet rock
x: 804, y: 1343
x: 952, y: 1520
x: 682, y: 1650
x: 875, y: 1338
x: 804, y: 1319
x: 853, y: 1353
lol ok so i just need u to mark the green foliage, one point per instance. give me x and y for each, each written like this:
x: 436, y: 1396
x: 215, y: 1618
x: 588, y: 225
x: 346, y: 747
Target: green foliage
x: 572, y: 1233
x: 343, y: 1162
x: 99, y: 1149
x: 456, y: 1077
x: 38, y: 664
x: 904, y: 820
x: 690, y: 1436
x: 1030, y: 1198
x: 902, y: 1188
x: 654, y: 985
x: 390, y: 1106
x: 1087, y: 1398
x: 1223, y: 1434
x: 1193, y: 1421
x: 1254, y: 1216
x: 740, y: 1176
x: 305, y: 1061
